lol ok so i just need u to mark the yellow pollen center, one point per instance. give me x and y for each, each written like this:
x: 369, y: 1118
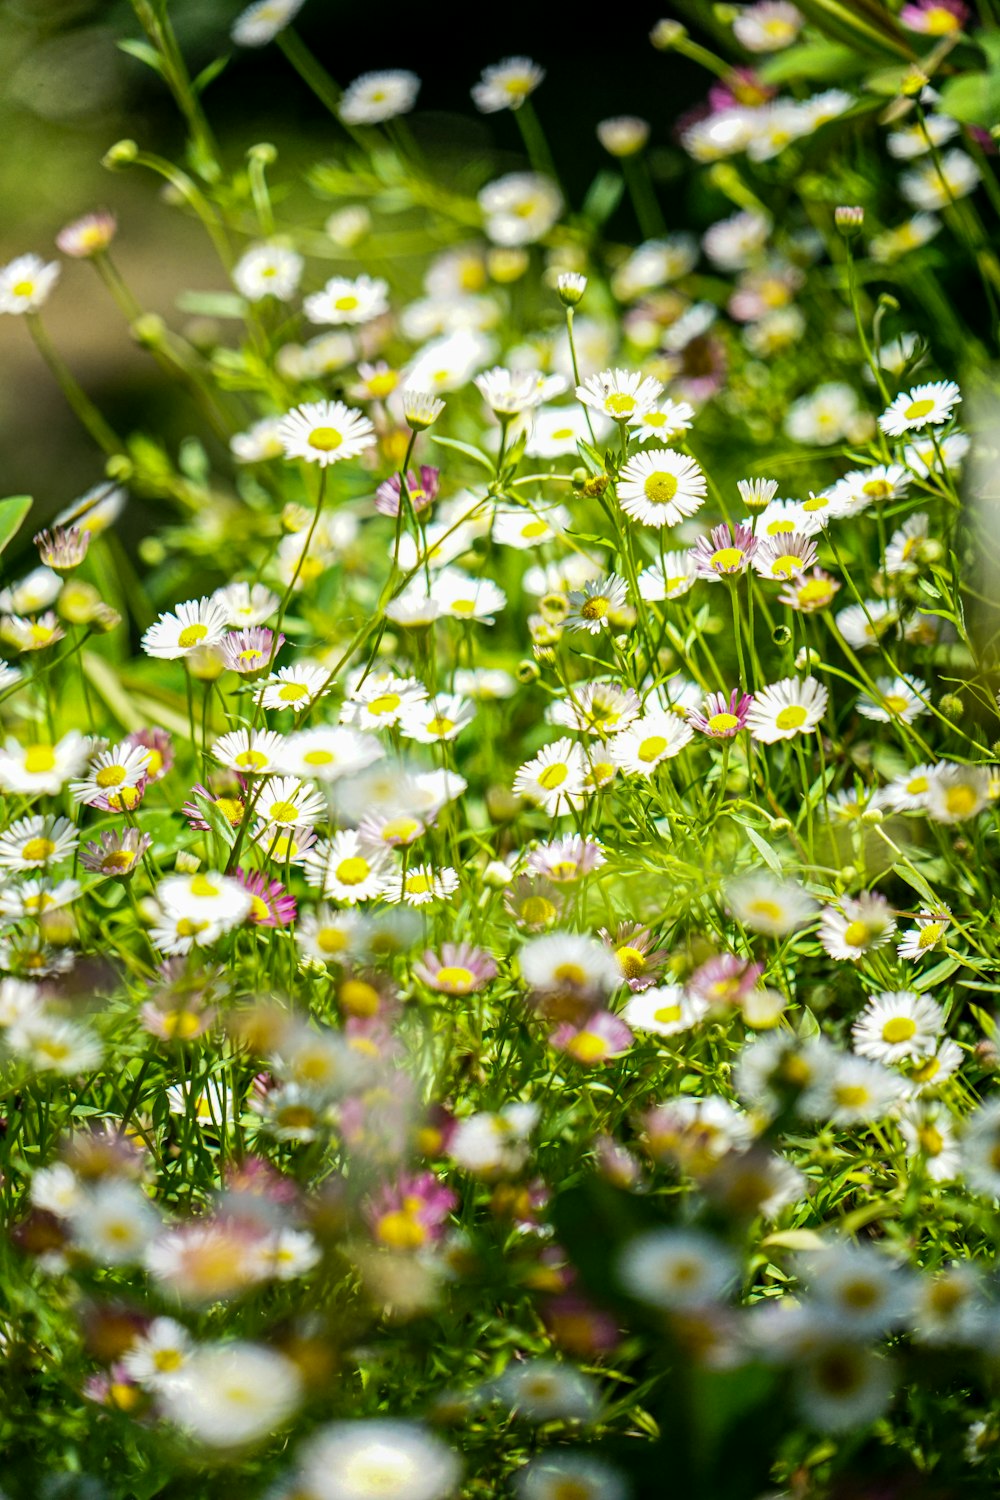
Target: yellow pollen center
x: 352, y: 871
x: 386, y: 703
x: 930, y: 934
x: 291, y: 692
x: 118, y: 859
x: 347, y: 303
x: 660, y: 487
x: 418, y: 885
x: 631, y: 962
x: 899, y: 1029
x: 785, y: 565
x: 895, y: 703
x: 619, y: 404
x: 325, y: 439
x: 191, y: 635
x: 317, y: 758
x: 440, y: 726
x: 595, y: 609
x: 961, y: 801
x: 570, y: 973
x: 587, y: 1047
x: 202, y: 886
x: 726, y: 558
x: 918, y: 409
x: 38, y: 759
x: 764, y: 908
x: 251, y: 760
x: 331, y: 940
x: 37, y: 850
x: 180, y: 1025
x: 792, y: 717
x: 534, y: 529
x: 652, y: 748
x: 667, y: 1014
x: 723, y: 723
x: 552, y: 777
x: 284, y: 812
x: 110, y: 776
x: 455, y: 977
x: 850, y: 1095
x: 858, y: 934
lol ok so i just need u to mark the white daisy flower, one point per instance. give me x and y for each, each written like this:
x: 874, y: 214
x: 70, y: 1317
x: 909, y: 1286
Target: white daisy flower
x: 556, y: 431
x: 294, y: 687
x: 897, y: 1024
x: 561, y: 1474
x: 256, y: 445
x: 909, y: 141
x: 924, y: 458
x: 112, y: 775
x: 327, y: 753
x: 31, y: 898
x: 733, y: 243
x: 31, y: 843
x: 506, y: 85
x: 194, y: 624
x: 325, y: 432
x: 520, y: 208
x: 666, y: 421
x: 268, y: 271
x: 380, y: 700
x: 765, y: 904
x: 285, y: 802
x: 448, y: 363
x: 938, y: 183
x: 253, y: 752
x: 41, y: 769
x: 864, y: 625
x: 863, y: 487
x: 48, y: 1044
x: 113, y: 1223
x: 382, y: 1457
x: 661, y: 487
x: 619, y: 394
x: 648, y: 741
x: 159, y: 1354
x: 206, y: 896
x: 787, y: 708
x: 343, y: 869
x: 376, y: 97
x: 529, y: 526
x: 440, y: 718
x: 899, y: 698
x: 245, y: 604
x: 598, y: 708
x: 40, y: 588
x: 851, y: 1091
x: 957, y: 792
x: 554, y: 778
x: 904, y: 544
x: 421, y: 884
x: 768, y: 25
x: 665, y: 1009
x: 260, y: 23
x: 924, y: 405
x: 345, y: 301
x: 232, y: 1394
x: 597, y: 604
x: 843, y: 1387
x: 676, y: 1268
x: 508, y: 392
x: 928, y: 934
x: 893, y: 244
x: 860, y: 925
x: 671, y: 578
x: 465, y: 598
x: 25, y: 284
x: 928, y: 1130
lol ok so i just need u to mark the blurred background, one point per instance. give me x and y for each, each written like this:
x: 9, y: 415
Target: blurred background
x: 67, y: 93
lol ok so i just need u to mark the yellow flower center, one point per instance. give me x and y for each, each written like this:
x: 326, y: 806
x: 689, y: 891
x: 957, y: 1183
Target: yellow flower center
x: 38, y: 759
x: 652, y: 748
x: 595, y: 609
x: 940, y: 22
x: 727, y: 557
x: 762, y: 907
x: 918, y: 409
x: 401, y: 1230
x: 553, y: 776
x: 899, y: 1029
x: 110, y: 776
x: 383, y: 384
x: 325, y: 439
x: 418, y: 885
x: 455, y: 977
x: 930, y: 934
x: 534, y: 529
x: 536, y: 911
x: 359, y: 998
x: 191, y: 635
x: 352, y: 871
x: 587, y: 1047
x: 815, y: 591
x: 291, y: 692
x: 792, y: 717
x: 850, y: 1095
x: 251, y: 760
x: 570, y: 973
x: 667, y: 1014
x: 23, y: 288
x: 118, y: 859
x: 347, y: 303
x: 722, y: 723
x: 331, y: 940
x: 167, y: 1360
x: 284, y: 812
x: 386, y: 703
x: 895, y: 703
x: 317, y: 758
x: 961, y: 801
x: 400, y: 830
x: 660, y: 487
x: 631, y: 961
x: 231, y: 809
x: 785, y: 565
x: 619, y: 405
x: 202, y: 886
x: 37, y: 850
x: 858, y: 934
x: 440, y: 726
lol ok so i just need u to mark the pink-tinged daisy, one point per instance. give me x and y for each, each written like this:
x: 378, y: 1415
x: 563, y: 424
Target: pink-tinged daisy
x: 458, y: 970
x: 600, y: 1038
x: 410, y: 1213
x: 859, y: 926
x: 566, y: 859
x: 535, y: 905
x: 783, y: 557
x: 88, y: 235
x: 421, y: 489
x: 935, y: 17
x: 117, y: 853
x: 725, y: 552
x: 725, y: 979
x: 232, y: 808
x: 809, y: 593
x: 722, y: 717
x: 270, y: 904
x: 161, y: 751
x: 390, y: 830
x: 632, y: 949
x: 787, y: 708
x: 250, y: 651
x: 62, y: 549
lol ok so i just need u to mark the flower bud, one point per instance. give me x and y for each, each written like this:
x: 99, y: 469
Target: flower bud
x: 849, y: 220
x: 265, y: 152
x: 121, y: 154
x: 666, y: 34
x: 571, y: 286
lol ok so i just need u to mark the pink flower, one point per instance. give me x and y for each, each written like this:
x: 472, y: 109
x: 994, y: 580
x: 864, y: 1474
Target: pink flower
x: 272, y: 905
x: 598, y: 1039
x: 412, y: 1212
x: 459, y: 970
x: 935, y: 17
x: 725, y: 980
x: 723, y: 717
x: 422, y: 491
x: 725, y: 552
x: 161, y: 751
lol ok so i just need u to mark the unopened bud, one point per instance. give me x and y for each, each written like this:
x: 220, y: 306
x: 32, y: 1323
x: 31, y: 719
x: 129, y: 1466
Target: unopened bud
x: 952, y: 706
x: 149, y: 330
x: 872, y: 817
x: 571, y: 286
x: 987, y: 1056
x: 186, y: 863
x: 666, y: 34
x: 528, y: 671
x: 497, y: 875
x: 849, y: 220
x: 121, y: 154
x: 265, y: 152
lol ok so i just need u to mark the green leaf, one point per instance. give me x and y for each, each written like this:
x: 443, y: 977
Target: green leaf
x: 211, y: 304
x: 812, y: 60
x: 144, y: 53
x: 209, y: 74
x: 467, y: 449
x: 219, y: 825
x: 603, y: 197
x: 974, y: 98
x: 936, y: 975
x: 765, y: 851
x: 12, y: 514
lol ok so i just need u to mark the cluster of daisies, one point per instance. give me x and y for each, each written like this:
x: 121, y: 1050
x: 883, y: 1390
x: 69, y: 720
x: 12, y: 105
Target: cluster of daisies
x: 520, y: 921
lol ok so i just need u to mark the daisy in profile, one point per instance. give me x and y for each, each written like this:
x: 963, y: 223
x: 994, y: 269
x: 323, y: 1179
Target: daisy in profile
x: 554, y: 778
x: 260, y: 23
x: 649, y: 740
x: 939, y: 182
x: 671, y: 578
x: 117, y: 854
x: 599, y: 1039
x: 860, y: 925
x: 935, y: 17
x: 902, y: 698
x: 595, y: 606
x: 787, y: 708
x: 465, y: 598
x: 923, y: 406
x: 660, y: 487
x: 196, y: 623
x: 245, y: 604
x: 345, y: 301
x: 764, y: 904
x: 578, y: 1476
x: 376, y: 97
x: 783, y: 557
x: 621, y: 395
x: 506, y: 85
x: 928, y: 934
x: 324, y: 432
